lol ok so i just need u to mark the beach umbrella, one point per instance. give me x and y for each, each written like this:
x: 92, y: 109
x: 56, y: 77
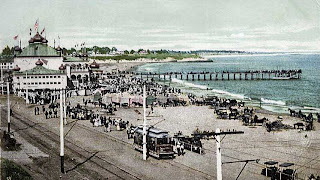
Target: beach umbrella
x: 173, y: 97
x: 115, y: 98
x: 97, y: 96
x: 161, y: 98
x: 125, y: 98
x: 107, y: 98
x: 184, y: 97
x: 150, y: 100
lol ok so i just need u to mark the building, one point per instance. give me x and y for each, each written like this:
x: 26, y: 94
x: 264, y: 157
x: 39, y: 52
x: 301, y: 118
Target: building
x: 6, y: 63
x: 41, y: 67
x: 38, y: 78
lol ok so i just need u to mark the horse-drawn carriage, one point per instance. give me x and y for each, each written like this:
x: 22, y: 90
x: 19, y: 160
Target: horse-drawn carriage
x: 159, y: 143
x: 234, y: 113
x: 284, y: 171
x: 190, y: 143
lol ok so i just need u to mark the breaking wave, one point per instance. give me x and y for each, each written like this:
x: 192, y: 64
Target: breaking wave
x: 217, y: 91
x: 267, y: 101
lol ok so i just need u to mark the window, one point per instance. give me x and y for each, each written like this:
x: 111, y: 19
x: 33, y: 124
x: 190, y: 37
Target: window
x: 24, y: 83
x: 32, y: 83
x: 35, y: 77
x: 47, y: 82
x: 18, y: 84
x: 40, y: 82
x: 59, y: 82
x: 54, y: 76
x: 43, y: 76
x: 58, y: 76
x: 31, y: 77
x: 17, y: 77
x: 47, y: 76
x: 55, y: 83
x: 36, y: 83
x: 50, y: 76
x: 51, y: 82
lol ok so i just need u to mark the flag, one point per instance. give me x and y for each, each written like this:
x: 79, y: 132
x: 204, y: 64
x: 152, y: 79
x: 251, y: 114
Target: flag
x: 30, y: 31
x: 44, y: 61
x: 36, y: 25
x: 15, y: 37
x: 43, y: 30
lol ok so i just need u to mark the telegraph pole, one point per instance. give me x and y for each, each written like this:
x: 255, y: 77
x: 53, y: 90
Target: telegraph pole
x: 8, y: 97
x: 27, y: 93
x: 64, y: 107
x: 2, y: 81
x: 144, y: 125
x: 61, y: 134
x: 218, y: 152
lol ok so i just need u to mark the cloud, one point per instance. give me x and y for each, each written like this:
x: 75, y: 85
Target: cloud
x: 238, y: 35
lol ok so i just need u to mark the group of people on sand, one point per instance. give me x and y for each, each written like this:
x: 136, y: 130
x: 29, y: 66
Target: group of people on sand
x: 51, y: 112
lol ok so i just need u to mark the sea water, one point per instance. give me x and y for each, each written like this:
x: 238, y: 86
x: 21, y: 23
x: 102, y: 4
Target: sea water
x: 273, y: 95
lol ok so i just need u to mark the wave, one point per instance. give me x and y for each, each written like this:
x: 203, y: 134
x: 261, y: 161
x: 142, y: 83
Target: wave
x: 267, y: 101
x: 189, y: 84
x: 237, y: 96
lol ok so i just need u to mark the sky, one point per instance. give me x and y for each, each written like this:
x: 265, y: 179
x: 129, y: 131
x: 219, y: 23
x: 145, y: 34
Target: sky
x: 249, y: 25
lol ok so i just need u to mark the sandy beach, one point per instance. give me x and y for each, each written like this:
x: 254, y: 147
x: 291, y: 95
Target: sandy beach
x: 256, y: 143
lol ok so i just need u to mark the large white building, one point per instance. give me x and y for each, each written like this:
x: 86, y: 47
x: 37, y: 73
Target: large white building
x: 39, y: 66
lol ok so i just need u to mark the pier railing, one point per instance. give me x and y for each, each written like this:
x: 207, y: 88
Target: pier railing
x: 226, y: 75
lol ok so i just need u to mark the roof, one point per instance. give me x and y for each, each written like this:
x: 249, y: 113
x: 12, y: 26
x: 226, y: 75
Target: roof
x: 286, y: 164
x: 6, y: 59
x: 271, y: 163
x: 38, y: 38
x: 39, y: 70
x: 38, y: 49
x: 153, y: 132
x: 75, y: 59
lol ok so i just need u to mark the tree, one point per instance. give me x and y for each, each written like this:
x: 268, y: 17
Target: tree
x: 126, y: 52
x: 7, y: 51
x: 148, y: 51
x: 132, y: 51
x: 114, y: 49
x: 140, y: 50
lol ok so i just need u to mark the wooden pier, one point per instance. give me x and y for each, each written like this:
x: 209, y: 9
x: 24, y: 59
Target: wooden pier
x: 226, y: 75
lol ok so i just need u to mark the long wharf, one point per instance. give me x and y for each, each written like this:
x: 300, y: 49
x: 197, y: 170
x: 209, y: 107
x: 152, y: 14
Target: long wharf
x: 226, y: 75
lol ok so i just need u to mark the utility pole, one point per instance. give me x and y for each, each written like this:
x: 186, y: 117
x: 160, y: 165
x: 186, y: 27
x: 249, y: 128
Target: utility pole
x: 8, y: 97
x: 64, y: 107
x: 144, y: 142
x: 218, y: 152
x: 2, y: 81
x: 61, y: 134
x: 27, y: 93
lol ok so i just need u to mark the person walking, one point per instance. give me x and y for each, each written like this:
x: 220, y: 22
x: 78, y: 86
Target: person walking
x: 46, y: 113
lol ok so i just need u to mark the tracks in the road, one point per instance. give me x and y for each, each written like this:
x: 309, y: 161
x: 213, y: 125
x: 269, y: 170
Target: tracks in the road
x: 73, y: 150
x: 47, y: 138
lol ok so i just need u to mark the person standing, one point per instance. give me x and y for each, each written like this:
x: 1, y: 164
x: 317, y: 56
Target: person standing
x: 179, y: 148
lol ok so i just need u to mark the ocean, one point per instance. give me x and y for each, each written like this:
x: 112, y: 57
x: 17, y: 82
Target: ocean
x: 272, y: 95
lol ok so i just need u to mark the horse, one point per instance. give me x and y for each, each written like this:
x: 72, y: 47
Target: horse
x: 292, y: 112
